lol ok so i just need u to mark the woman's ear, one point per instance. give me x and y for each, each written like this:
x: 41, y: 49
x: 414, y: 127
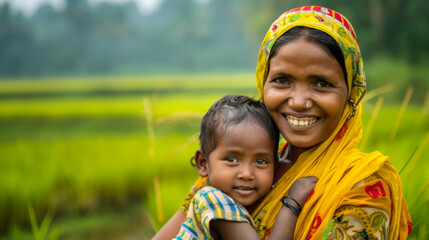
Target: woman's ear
x: 202, y: 163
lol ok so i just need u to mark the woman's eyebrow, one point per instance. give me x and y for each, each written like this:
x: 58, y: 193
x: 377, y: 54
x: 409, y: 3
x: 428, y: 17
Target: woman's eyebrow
x: 319, y: 76
x: 281, y: 74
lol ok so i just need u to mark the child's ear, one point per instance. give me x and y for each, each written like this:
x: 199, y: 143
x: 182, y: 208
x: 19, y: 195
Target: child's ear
x: 202, y: 163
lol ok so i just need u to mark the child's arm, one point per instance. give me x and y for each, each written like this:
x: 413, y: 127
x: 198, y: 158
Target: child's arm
x: 300, y: 190
x: 284, y: 226
x: 228, y: 230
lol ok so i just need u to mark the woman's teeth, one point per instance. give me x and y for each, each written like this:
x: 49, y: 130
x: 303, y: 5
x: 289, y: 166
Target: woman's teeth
x: 301, y: 122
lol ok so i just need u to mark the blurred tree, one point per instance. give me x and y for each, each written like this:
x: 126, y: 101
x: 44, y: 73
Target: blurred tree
x: 185, y: 35
x: 17, y: 46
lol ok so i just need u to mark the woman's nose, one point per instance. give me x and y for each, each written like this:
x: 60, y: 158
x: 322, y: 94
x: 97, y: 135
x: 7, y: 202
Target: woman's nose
x: 299, y: 96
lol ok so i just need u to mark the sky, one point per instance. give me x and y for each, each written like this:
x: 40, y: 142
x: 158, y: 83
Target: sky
x: 29, y: 6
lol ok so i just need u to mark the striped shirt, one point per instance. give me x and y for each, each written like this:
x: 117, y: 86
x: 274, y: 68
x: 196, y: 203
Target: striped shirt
x: 208, y: 204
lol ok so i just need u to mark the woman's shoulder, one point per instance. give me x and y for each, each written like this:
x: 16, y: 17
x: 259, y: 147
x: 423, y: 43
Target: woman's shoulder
x: 373, y: 191
x: 372, y: 178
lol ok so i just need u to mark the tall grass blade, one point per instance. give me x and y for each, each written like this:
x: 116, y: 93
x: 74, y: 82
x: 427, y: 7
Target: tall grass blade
x: 424, y: 236
x: 45, y: 230
x: 158, y: 199
x: 401, y: 112
x: 55, y: 234
x: 419, y: 195
x: 147, y: 111
x: 406, y: 163
x: 46, y: 223
x: 33, y: 222
x: 425, y: 107
x: 371, y: 121
x: 377, y: 92
x: 419, y: 151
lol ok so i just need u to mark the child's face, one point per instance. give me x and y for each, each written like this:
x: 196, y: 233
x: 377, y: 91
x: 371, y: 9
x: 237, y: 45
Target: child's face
x: 242, y: 164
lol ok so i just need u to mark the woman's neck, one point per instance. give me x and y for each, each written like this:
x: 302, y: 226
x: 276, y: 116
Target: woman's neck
x: 287, y: 160
x: 292, y: 153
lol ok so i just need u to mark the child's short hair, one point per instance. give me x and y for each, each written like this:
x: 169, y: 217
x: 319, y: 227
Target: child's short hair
x: 232, y: 110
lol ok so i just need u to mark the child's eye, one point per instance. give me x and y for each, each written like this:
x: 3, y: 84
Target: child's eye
x: 261, y: 162
x: 231, y: 159
x: 322, y: 83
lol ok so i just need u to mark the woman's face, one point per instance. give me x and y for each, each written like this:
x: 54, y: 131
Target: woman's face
x: 303, y: 72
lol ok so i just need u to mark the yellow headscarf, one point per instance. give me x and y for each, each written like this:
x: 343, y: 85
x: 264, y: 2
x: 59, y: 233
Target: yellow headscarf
x: 337, y: 162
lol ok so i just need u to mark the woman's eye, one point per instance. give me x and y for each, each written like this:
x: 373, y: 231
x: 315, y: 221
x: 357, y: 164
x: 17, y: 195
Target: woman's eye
x: 231, y: 159
x: 261, y: 162
x: 281, y: 80
x: 323, y: 84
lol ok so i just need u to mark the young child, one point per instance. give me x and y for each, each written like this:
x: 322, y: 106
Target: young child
x: 238, y: 154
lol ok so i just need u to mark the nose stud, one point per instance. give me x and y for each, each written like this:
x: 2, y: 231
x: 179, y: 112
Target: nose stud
x: 306, y: 105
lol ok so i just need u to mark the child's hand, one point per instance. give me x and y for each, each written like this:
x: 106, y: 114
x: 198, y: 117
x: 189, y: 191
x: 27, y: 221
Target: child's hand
x: 301, y: 189
x: 284, y: 225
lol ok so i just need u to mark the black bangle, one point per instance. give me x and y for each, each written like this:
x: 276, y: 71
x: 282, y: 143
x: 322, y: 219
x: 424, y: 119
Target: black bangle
x: 293, y: 199
x: 296, y: 211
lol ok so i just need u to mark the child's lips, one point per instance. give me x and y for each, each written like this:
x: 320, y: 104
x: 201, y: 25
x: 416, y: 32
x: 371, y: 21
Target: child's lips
x: 242, y: 190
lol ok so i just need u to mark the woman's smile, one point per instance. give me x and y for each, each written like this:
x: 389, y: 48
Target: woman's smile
x: 300, y: 121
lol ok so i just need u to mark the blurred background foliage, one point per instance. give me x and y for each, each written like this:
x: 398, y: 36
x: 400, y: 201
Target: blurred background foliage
x: 100, y: 105
x: 189, y: 36
x: 184, y: 35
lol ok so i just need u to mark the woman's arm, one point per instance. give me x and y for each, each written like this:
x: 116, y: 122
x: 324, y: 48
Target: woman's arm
x: 352, y: 221
x: 171, y: 228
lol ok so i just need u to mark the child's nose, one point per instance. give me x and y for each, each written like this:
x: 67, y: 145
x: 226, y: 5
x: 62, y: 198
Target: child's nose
x: 246, y: 172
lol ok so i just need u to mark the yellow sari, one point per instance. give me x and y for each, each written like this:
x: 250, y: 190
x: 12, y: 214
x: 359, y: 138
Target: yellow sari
x: 337, y: 162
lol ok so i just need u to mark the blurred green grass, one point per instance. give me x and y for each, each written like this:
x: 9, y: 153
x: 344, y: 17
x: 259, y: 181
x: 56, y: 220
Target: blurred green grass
x: 84, y: 155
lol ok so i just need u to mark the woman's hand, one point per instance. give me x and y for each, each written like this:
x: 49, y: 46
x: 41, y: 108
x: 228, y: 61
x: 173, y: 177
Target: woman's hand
x: 301, y: 189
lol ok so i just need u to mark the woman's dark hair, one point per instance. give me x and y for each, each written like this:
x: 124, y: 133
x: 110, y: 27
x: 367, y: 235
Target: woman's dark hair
x: 232, y: 110
x: 323, y: 39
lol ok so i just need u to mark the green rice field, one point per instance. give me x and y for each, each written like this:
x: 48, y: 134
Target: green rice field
x: 108, y: 158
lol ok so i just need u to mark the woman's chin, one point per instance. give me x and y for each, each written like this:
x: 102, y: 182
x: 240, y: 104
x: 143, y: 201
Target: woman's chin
x: 304, y: 142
